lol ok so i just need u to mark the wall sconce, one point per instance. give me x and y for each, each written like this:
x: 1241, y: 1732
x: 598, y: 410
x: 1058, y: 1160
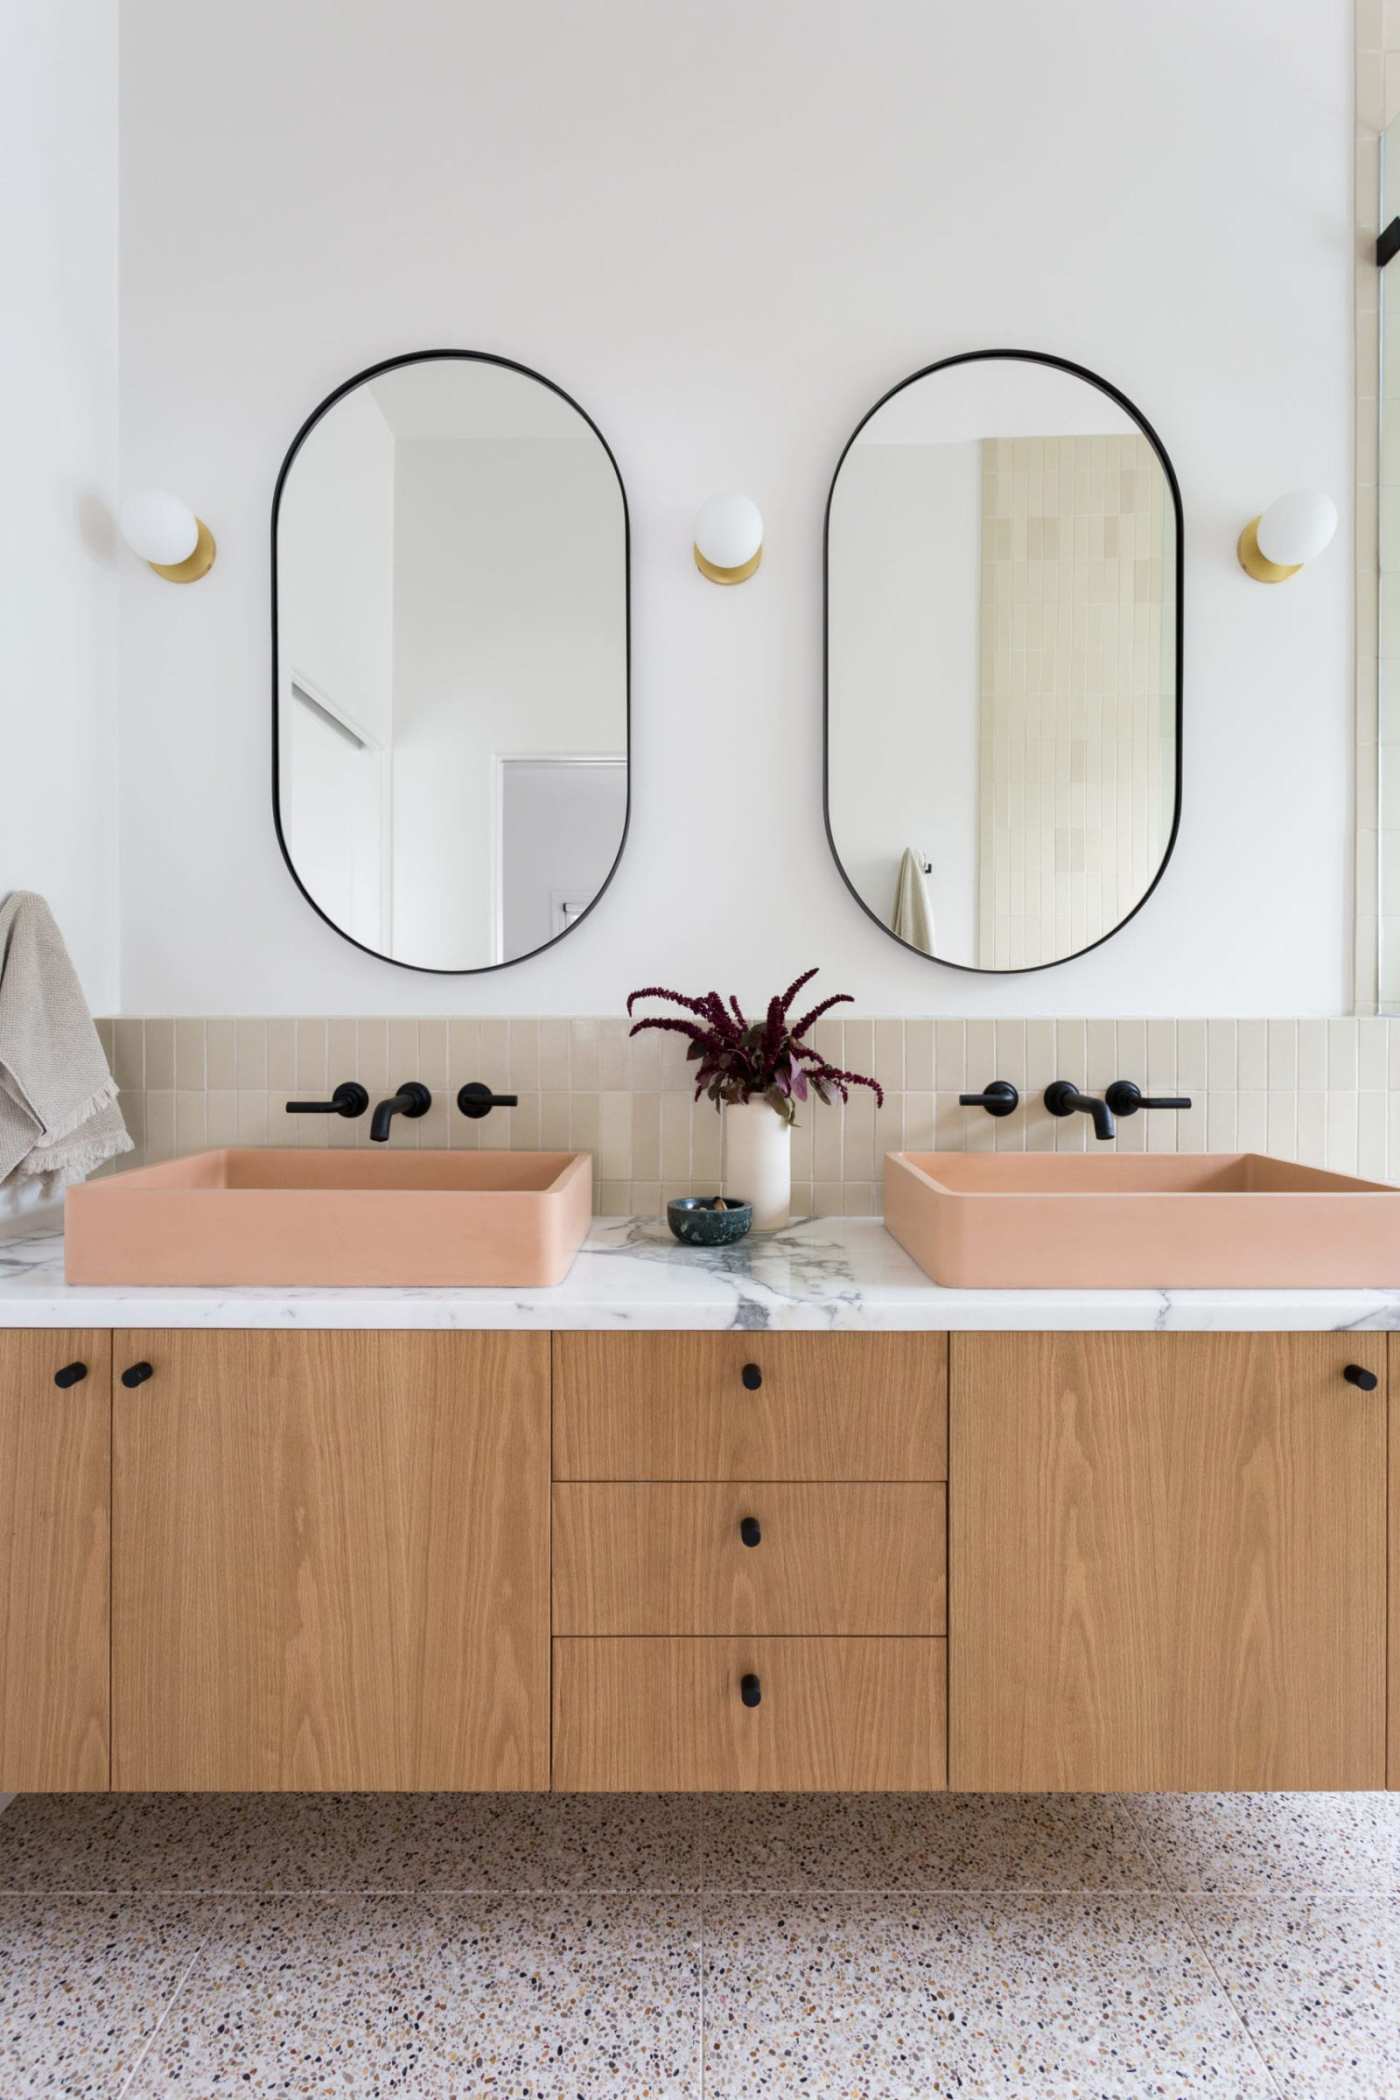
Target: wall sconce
x: 1275, y: 545
x: 166, y: 534
x: 728, y: 539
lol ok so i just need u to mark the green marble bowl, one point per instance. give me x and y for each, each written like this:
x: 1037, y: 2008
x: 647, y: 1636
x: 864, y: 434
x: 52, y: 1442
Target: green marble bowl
x: 696, y: 1223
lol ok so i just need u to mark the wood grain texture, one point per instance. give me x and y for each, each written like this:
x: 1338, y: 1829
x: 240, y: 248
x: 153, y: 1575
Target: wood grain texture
x: 331, y: 1562
x: 1393, y: 1646
x: 865, y: 1558
x: 674, y: 1407
x: 1166, y: 1562
x: 656, y: 1715
x: 55, y: 1448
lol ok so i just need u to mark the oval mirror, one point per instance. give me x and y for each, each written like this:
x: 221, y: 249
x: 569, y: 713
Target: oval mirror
x: 1003, y: 661
x: 450, y: 661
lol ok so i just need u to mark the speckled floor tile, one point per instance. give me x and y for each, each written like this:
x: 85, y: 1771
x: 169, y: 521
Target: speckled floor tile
x: 1272, y: 1841
x: 982, y: 1998
x: 365, y: 1842
x: 1317, y: 1981
x: 84, y: 1981
x: 557, y: 1997
x: 58, y: 1841
x: 923, y: 1841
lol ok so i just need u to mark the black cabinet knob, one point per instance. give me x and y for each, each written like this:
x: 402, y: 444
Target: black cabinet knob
x: 71, y: 1374
x: 750, y: 1690
x: 136, y: 1374
x: 752, y: 1377
x: 750, y: 1531
x: 1357, y: 1374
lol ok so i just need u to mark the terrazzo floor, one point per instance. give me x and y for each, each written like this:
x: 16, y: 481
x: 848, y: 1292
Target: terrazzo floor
x: 866, y: 1947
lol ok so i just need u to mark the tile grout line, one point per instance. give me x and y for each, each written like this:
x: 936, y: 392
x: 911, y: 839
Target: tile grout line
x: 1176, y: 1897
x: 128, y: 2086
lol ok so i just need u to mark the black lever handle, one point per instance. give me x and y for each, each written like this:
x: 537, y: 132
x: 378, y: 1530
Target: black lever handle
x: 1125, y: 1097
x: 137, y: 1374
x: 751, y: 1531
x: 750, y: 1690
x: 71, y: 1374
x: 999, y: 1099
x: 1358, y: 1375
x: 752, y: 1377
x: 476, y: 1100
x: 349, y: 1099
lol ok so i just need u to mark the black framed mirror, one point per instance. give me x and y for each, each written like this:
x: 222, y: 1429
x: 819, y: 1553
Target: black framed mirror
x: 1003, y: 675
x: 450, y: 661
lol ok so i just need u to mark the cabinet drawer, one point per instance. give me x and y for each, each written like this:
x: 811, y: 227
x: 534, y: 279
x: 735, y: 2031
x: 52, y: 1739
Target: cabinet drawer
x: 833, y: 1716
x: 672, y: 1558
x: 750, y: 1407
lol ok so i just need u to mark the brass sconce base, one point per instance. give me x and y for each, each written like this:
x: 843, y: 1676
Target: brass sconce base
x: 194, y: 565
x: 717, y: 575
x: 1258, y: 565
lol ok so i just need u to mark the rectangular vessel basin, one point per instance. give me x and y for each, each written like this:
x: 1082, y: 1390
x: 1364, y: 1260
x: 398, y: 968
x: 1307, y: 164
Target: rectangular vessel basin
x: 277, y: 1216
x: 1056, y: 1220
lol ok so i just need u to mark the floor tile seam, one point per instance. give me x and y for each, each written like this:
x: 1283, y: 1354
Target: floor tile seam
x: 1197, y: 1939
x: 128, y: 2086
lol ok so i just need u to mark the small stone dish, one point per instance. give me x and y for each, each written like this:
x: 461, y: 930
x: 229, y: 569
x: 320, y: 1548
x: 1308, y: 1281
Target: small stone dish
x: 697, y: 1223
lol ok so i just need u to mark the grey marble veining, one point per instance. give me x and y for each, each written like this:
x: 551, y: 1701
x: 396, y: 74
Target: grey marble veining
x: 823, y: 1274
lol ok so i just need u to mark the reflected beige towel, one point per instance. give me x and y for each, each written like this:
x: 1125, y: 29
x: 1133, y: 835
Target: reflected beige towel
x: 913, y: 914
x: 58, y: 1102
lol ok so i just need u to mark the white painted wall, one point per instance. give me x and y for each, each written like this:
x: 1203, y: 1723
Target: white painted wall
x: 726, y: 230
x: 58, y: 557
x: 906, y: 600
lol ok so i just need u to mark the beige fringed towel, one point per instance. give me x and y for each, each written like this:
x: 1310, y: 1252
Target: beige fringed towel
x: 58, y: 1102
x: 913, y: 914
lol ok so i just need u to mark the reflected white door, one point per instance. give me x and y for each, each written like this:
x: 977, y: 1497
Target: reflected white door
x: 561, y: 824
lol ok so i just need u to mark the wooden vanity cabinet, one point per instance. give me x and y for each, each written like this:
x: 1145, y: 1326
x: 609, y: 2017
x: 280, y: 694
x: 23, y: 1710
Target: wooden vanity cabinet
x: 331, y: 1561
x: 55, y: 1439
x: 1167, y: 1562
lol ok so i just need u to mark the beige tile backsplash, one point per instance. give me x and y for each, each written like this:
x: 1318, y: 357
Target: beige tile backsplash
x: 1323, y: 1091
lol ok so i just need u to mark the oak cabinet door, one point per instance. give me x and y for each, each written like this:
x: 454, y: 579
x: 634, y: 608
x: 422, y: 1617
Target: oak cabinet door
x: 331, y: 1561
x: 1167, y: 1561
x: 55, y: 1442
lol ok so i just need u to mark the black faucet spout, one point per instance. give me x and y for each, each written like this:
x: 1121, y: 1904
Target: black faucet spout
x: 412, y: 1100
x: 1063, y: 1098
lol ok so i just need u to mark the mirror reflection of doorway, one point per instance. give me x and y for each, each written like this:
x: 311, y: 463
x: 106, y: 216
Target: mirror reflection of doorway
x: 559, y: 830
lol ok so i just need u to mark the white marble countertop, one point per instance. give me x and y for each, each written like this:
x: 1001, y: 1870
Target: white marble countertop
x: 837, y: 1273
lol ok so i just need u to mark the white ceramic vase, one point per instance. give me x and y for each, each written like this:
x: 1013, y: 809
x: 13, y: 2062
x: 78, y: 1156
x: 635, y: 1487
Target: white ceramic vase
x: 758, y: 1162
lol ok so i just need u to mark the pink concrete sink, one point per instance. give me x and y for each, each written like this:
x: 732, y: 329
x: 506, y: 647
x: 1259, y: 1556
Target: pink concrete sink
x: 1058, y: 1220
x: 355, y: 1217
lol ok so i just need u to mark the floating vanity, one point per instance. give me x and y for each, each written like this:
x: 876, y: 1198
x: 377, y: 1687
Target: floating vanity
x: 784, y: 1516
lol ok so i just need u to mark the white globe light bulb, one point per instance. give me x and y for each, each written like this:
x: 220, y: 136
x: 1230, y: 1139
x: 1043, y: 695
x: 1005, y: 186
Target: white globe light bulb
x: 1296, y: 528
x: 729, y: 538
x: 159, y: 527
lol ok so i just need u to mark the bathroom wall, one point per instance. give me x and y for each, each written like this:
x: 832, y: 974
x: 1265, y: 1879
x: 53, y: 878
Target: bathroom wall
x: 726, y: 230
x: 58, y: 351
x: 1325, y: 1092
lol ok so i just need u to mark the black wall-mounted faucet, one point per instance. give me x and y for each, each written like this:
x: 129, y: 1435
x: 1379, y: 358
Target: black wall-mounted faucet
x: 476, y: 1100
x: 1062, y: 1098
x: 411, y: 1100
x: 349, y: 1099
x: 1125, y: 1097
x: 999, y: 1099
